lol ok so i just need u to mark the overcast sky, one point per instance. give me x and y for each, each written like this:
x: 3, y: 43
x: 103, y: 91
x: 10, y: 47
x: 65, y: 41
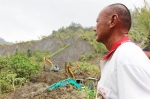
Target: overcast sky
x: 24, y: 20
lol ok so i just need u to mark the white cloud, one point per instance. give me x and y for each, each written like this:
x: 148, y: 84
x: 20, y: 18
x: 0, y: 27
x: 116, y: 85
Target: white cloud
x: 22, y: 20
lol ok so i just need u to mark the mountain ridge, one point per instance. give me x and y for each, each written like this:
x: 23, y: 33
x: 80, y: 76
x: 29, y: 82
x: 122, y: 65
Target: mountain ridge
x: 2, y: 41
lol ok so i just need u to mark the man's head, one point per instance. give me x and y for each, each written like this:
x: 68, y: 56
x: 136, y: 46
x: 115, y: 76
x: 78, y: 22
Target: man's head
x: 111, y: 20
x: 147, y: 51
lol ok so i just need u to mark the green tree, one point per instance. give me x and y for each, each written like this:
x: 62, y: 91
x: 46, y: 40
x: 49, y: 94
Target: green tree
x: 144, y: 20
x: 29, y: 53
x: 23, y: 67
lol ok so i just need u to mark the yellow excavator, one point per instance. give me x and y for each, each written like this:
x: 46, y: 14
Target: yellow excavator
x: 68, y: 71
x: 53, y: 68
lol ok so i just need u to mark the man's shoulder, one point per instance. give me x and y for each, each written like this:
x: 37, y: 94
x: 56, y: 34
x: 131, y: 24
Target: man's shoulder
x: 130, y: 53
x: 127, y: 51
x: 128, y: 44
x: 129, y: 47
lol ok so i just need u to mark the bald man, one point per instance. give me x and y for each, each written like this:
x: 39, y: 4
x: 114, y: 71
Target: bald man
x: 125, y: 70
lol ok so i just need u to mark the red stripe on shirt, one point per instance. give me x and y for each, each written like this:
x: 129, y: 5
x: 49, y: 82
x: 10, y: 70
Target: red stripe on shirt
x: 115, y: 46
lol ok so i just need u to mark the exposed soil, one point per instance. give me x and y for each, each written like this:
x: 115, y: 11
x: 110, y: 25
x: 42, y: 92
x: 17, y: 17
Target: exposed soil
x: 34, y: 89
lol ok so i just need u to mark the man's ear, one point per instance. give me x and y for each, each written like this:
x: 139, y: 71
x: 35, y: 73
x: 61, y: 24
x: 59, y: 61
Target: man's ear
x: 114, y: 20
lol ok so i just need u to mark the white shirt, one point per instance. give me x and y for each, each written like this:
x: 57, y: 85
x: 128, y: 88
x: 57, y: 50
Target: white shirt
x: 126, y: 74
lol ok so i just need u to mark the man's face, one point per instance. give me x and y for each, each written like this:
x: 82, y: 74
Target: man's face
x: 102, y: 27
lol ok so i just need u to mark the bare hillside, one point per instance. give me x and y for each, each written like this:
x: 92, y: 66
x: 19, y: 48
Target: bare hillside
x: 51, y: 44
x: 72, y: 53
x: 76, y: 47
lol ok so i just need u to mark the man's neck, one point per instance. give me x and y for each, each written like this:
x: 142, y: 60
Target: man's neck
x: 115, y: 46
x: 110, y: 42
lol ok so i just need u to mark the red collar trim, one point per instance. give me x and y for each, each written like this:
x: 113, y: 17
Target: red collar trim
x: 115, y: 46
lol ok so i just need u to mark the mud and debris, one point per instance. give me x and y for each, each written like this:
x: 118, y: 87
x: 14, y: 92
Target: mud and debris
x: 34, y: 89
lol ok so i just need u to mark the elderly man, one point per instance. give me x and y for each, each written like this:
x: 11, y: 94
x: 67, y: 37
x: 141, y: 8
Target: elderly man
x: 125, y: 70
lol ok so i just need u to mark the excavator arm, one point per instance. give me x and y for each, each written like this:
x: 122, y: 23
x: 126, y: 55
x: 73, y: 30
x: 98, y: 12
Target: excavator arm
x: 68, y: 71
x: 63, y: 83
x: 47, y: 60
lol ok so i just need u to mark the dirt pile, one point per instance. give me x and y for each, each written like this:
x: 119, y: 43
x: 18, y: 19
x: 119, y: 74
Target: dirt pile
x: 34, y: 90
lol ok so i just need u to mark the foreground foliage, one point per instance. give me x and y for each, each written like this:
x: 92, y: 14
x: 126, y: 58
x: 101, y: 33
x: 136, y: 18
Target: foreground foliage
x: 15, y: 71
